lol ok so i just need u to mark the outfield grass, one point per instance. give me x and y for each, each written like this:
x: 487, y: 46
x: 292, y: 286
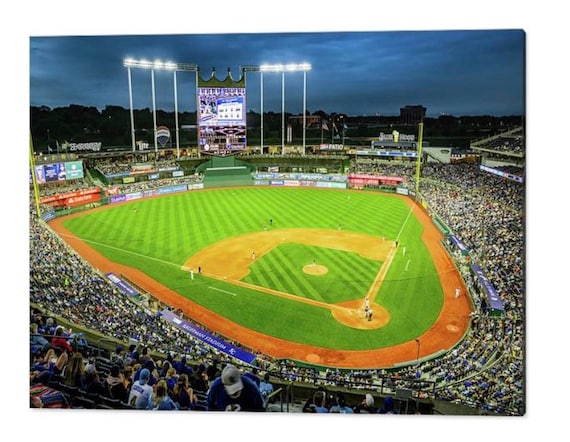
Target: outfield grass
x: 164, y: 232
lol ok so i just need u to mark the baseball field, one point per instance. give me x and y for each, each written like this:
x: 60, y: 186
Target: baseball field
x: 288, y: 271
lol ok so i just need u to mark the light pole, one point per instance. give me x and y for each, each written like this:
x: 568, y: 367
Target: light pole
x: 154, y: 116
x: 133, y: 142
x: 261, y: 128
x: 303, y: 67
x: 164, y: 66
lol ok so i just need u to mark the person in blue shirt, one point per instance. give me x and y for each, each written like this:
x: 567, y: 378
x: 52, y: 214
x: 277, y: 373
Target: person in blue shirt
x: 266, y: 388
x: 388, y: 406
x: 141, y: 392
x: 233, y: 391
x: 318, y: 404
x: 160, y: 400
x: 340, y: 404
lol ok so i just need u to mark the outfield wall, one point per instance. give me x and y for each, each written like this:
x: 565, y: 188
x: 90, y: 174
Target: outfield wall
x: 329, y: 181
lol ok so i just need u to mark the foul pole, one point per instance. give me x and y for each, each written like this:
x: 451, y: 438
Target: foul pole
x: 419, y: 158
x: 34, y: 179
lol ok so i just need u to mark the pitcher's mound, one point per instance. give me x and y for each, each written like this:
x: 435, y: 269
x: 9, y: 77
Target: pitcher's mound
x: 315, y: 269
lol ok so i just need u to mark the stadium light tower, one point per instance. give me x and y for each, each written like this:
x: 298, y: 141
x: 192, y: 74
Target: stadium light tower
x: 130, y: 63
x: 283, y: 68
x: 255, y: 68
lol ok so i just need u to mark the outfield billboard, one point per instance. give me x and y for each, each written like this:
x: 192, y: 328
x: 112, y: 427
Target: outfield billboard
x: 49, y: 173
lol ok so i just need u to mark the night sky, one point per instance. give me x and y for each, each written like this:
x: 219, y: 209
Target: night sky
x: 464, y: 72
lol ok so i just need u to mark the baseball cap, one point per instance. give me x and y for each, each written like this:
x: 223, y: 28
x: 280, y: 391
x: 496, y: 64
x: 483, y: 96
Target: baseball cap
x: 145, y: 375
x: 231, y: 378
x: 369, y: 400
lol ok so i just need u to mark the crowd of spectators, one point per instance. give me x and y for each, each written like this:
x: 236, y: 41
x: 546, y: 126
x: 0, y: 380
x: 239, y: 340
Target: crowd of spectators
x: 512, y: 142
x: 155, y: 184
x: 486, y: 370
x: 383, y: 167
x: 487, y: 213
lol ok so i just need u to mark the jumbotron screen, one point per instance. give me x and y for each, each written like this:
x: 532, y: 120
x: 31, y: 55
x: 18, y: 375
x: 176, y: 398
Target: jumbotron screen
x: 221, y: 120
x: 69, y: 170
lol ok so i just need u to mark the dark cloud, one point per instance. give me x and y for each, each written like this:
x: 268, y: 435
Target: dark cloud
x: 454, y: 72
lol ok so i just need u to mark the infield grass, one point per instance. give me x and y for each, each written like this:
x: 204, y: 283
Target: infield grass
x: 164, y: 232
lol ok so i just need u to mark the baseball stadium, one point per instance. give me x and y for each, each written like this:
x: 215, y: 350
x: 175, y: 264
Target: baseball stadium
x: 380, y: 273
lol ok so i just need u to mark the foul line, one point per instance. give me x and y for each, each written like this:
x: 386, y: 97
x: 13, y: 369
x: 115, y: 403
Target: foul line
x: 119, y: 249
x: 221, y: 290
x: 405, y: 222
x: 375, y: 287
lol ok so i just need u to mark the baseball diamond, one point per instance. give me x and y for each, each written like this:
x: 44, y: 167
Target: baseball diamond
x: 298, y: 283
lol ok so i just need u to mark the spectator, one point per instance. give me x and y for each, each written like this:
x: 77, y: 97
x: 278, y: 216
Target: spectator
x: 145, y: 357
x: 128, y: 376
x: 340, y: 405
x: 118, y: 357
x: 183, y: 394
x: 132, y: 356
x: 199, y: 379
x: 148, y: 365
x: 54, y: 364
x: 232, y: 391
x: 366, y: 406
x: 170, y: 376
x: 160, y: 399
x: 388, y: 406
x: 116, y: 384
x: 141, y: 392
x: 75, y: 371
x: 60, y: 342
x: 213, y: 370
x: 92, y: 383
x: 38, y: 343
x: 266, y: 388
x: 318, y: 403
x: 254, y: 376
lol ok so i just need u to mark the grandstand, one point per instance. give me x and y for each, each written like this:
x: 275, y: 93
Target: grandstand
x: 506, y: 149
x: 483, y: 374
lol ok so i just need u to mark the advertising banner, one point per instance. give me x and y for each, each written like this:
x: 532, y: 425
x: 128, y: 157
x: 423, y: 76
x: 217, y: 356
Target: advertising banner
x: 121, y: 285
x: 74, y: 170
x: 82, y: 199
x: 117, y: 199
x: 490, y: 292
x: 172, y: 189
x: 63, y: 196
x: 51, y: 171
x: 459, y: 244
x: 207, y: 338
x: 134, y: 196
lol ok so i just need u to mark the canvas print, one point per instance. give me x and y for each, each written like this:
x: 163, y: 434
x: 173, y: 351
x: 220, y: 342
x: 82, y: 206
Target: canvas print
x: 302, y: 222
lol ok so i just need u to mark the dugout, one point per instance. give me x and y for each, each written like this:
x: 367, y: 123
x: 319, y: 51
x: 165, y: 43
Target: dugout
x: 225, y: 171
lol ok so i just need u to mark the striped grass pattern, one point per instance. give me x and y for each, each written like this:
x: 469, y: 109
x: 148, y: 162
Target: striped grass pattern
x: 162, y: 233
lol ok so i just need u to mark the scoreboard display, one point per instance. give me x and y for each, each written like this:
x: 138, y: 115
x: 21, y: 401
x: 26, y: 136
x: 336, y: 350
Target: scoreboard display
x: 221, y: 120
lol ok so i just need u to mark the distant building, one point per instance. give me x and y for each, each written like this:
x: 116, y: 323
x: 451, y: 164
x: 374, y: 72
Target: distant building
x: 310, y: 120
x: 412, y: 115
